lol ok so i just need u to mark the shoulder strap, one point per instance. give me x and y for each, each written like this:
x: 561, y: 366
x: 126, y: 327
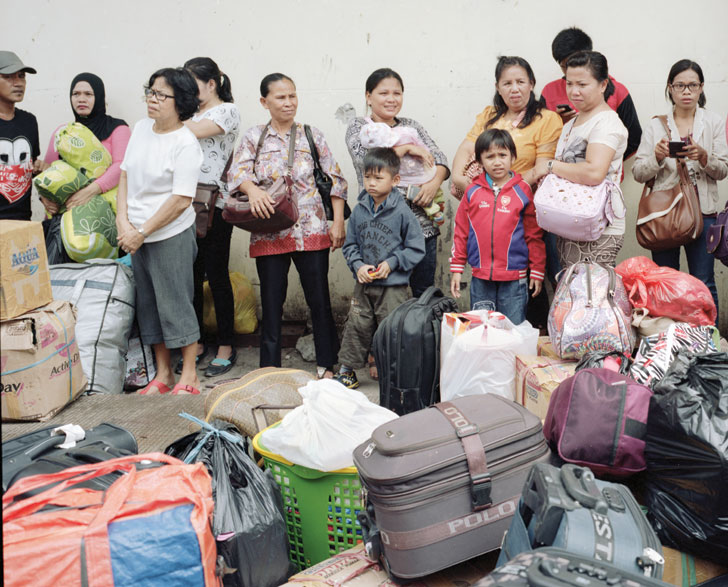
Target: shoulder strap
x: 312, y: 145
x: 663, y: 119
x: 260, y: 144
x: 291, y: 148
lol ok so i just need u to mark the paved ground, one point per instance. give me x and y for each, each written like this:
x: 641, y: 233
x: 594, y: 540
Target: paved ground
x: 154, y: 420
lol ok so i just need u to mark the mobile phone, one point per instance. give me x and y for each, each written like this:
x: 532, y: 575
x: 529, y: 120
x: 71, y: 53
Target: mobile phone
x: 564, y: 107
x: 675, y: 148
x: 412, y: 192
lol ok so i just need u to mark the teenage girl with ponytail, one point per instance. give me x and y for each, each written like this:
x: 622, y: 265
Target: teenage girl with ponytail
x: 216, y: 126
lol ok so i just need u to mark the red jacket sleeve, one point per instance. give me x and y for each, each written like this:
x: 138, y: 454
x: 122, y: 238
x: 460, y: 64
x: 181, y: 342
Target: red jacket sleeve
x: 459, y: 253
x: 534, y: 238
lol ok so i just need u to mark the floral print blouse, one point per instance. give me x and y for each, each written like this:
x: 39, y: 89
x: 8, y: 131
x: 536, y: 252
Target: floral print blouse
x: 311, y: 232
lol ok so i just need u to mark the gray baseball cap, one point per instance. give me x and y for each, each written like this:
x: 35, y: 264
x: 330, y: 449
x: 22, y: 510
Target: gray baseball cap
x: 11, y: 63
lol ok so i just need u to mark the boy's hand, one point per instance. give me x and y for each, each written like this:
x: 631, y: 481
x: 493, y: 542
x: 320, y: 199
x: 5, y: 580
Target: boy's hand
x: 383, y: 271
x: 535, y: 285
x: 455, y: 284
x: 365, y: 274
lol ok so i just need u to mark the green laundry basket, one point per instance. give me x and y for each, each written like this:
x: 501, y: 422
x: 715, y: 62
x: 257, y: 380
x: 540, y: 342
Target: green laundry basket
x: 321, y: 508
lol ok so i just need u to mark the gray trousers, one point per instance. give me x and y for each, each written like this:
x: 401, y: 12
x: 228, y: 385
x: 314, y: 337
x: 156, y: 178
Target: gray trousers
x: 164, y: 290
x: 370, y: 304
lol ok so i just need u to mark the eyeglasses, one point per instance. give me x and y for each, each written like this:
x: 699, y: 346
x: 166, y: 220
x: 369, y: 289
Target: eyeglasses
x: 692, y: 86
x: 159, y: 96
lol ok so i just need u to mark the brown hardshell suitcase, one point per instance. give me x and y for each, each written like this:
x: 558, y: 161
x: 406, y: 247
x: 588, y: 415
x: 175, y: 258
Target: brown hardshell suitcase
x: 443, y: 483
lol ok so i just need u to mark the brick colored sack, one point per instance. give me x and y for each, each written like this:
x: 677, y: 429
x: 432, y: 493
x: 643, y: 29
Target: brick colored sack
x: 151, y: 526
x: 612, y: 443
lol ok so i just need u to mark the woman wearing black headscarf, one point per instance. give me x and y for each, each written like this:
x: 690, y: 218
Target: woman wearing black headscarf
x: 88, y: 101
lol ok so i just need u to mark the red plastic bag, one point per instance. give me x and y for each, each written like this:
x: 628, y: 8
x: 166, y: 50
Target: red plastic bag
x: 667, y: 292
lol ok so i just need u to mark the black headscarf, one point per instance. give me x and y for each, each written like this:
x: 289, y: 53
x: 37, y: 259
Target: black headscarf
x: 100, y: 123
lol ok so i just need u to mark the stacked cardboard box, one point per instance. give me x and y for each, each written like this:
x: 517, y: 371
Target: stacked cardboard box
x: 536, y: 379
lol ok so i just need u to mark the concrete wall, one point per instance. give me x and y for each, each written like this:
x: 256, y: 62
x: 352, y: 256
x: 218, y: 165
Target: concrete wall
x: 446, y: 53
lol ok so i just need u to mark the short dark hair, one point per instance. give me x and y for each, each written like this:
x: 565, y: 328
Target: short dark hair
x: 381, y: 158
x: 494, y: 137
x: 381, y: 74
x: 597, y: 65
x: 679, y: 67
x: 184, y: 86
x: 570, y: 41
x: 272, y: 78
x: 205, y: 69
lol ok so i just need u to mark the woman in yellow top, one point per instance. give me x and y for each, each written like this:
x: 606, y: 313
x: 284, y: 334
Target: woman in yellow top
x: 535, y: 131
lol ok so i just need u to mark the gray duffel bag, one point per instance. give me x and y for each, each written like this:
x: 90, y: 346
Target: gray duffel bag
x: 103, y: 292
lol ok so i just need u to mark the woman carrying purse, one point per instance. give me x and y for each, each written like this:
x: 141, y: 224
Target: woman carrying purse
x: 589, y: 151
x: 259, y: 161
x: 705, y: 153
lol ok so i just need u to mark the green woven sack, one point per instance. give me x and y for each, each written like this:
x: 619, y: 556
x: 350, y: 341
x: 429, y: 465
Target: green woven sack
x: 60, y: 181
x: 80, y: 148
x: 89, y: 231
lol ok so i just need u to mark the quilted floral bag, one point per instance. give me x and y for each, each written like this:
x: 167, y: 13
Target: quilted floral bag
x: 590, y: 312
x: 80, y: 148
x: 89, y: 231
x: 60, y: 181
x: 575, y: 211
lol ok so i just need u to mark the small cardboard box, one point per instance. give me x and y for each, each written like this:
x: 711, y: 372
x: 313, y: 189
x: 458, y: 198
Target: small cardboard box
x: 25, y: 282
x: 352, y: 568
x: 544, y: 348
x: 40, y: 363
x: 536, y: 379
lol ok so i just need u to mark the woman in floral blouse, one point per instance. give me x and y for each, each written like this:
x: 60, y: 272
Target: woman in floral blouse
x: 308, y: 241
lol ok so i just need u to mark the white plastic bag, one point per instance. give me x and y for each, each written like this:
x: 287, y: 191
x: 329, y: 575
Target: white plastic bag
x: 323, y: 432
x: 478, y: 353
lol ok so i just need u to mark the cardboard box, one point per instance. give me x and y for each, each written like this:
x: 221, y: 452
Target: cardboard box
x: 25, y: 282
x: 352, y: 568
x: 536, y: 379
x: 544, y: 348
x: 40, y: 363
x: 685, y: 570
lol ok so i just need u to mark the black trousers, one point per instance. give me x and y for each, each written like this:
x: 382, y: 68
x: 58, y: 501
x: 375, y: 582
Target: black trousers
x: 213, y: 256
x: 313, y: 270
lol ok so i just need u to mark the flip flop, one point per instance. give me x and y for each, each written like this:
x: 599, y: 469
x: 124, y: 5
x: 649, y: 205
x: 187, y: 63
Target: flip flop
x: 155, y: 383
x: 188, y: 388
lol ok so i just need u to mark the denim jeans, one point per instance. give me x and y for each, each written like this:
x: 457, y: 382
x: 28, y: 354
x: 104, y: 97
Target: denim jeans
x: 423, y: 275
x: 507, y: 297
x: 700, y: 262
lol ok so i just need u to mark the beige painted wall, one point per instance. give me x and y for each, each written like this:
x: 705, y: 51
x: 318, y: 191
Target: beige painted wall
x: 446, y: 53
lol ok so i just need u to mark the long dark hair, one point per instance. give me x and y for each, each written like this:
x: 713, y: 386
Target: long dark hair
x: 597, y: 65
x: 679, y: 67
x: 205, y: 69
x: 534, y: 106
x: 272, y: 78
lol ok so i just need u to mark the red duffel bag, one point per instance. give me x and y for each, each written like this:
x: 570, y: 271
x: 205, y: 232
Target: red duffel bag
x: 151, y: 526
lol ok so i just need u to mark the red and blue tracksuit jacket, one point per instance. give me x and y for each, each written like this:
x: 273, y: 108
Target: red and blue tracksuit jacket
x: 496, y: 232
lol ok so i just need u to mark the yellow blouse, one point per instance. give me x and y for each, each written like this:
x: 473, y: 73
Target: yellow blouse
x: 530, y: 142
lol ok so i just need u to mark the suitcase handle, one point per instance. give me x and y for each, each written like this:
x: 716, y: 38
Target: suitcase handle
x: 580, y: 484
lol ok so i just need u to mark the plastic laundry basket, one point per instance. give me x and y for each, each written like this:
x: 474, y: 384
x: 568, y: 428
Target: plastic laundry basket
x: 321, y: 508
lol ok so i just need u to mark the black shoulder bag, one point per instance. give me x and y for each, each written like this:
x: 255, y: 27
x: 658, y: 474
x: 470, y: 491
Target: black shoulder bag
x: 322, y: 179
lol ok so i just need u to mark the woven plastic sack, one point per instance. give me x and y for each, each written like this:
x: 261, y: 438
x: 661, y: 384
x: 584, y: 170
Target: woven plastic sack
x: 258, y: 399
x: 150, y: 527
x: 89, y: 231
x: 80, y: 148
x: 60, y: 181
x: 246, y: 320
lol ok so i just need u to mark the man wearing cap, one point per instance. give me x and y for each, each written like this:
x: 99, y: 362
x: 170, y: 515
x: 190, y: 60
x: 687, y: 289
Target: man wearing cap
x: 19, y: 147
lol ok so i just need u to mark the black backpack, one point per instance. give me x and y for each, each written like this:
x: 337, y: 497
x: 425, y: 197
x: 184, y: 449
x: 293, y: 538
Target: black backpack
x: 406, y: 349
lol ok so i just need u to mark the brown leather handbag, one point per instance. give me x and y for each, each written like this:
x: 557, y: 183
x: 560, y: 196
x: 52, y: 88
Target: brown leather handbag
x: 237, y: 208
x: 667, y: 219
x: 204, y: 202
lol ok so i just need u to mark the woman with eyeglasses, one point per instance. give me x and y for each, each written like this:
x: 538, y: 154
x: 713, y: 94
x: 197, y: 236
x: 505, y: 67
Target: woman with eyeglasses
x: 156, y: 224
x: 706, y: 155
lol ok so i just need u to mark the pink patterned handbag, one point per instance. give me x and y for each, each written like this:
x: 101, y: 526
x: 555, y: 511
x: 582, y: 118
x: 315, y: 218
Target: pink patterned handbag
x: 575, y: 211
x: 590, y: 312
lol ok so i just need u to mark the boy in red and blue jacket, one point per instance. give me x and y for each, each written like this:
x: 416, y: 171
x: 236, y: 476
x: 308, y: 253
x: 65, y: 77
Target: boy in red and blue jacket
x: 496, y: 233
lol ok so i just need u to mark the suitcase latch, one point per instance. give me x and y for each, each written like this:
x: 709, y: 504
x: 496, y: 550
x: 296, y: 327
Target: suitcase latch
x: 480, y: 491
x: 468, y: 430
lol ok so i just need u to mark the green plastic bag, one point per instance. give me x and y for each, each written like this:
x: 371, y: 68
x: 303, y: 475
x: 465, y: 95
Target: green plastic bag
x: 80, y: 148
x: 89, y: 231
x: 60, y: 181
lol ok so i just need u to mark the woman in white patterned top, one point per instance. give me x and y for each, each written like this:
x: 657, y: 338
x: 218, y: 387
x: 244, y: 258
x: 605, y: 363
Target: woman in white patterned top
x: 216, y: 126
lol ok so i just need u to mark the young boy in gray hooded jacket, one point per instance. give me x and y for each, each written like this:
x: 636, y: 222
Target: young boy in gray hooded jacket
x: 383, y: 244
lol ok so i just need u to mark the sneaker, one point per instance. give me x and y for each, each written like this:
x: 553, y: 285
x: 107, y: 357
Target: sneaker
x: 347, y: 379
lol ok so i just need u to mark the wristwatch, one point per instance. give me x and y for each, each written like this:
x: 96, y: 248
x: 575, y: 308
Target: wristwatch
x: 550, y: 165
x: 140, y: 230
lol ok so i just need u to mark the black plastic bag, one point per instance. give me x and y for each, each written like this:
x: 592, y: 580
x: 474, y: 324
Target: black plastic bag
x: 248, y: 522
x: 595, y: 359
x: 686, y: 450
x: 54, y: 241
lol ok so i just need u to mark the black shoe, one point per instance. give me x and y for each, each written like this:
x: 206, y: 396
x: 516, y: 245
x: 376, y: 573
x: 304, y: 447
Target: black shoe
x: 180, y: 363
x: 220, y: 366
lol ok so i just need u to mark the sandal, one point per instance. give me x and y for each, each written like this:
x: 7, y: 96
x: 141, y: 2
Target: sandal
x: 189, y: 389
x: 161, y: 388
x: 198, y: 358
x: 321, y: 373
x: 221, y: 366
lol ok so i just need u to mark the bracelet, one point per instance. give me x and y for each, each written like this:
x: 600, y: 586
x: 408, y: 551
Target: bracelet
x: 550, y: 165
x: 140, y: 230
